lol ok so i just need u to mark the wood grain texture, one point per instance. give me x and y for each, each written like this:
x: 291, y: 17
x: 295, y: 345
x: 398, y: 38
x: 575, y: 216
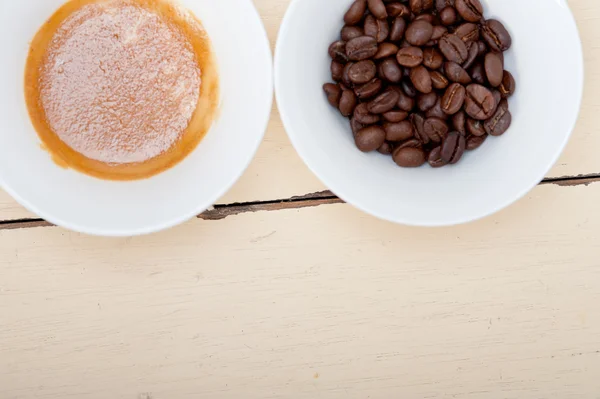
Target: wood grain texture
x: 321, y: 302
x: 277, y: 172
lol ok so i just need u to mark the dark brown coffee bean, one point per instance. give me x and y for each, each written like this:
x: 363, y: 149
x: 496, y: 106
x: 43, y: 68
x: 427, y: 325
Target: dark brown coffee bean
x: 346, y: 75
x: 456, y: 73
x: 370, y: 138
x: 399, y: 131
x: 369, y: 89
x: 361, y: 48
x: 409, y: 157
x: 467, y: 32
x: 436, y: 129
x: 508, y: 85
x: 405, y: 102
x: 426, y: 101
x: 472, y: 55
x: 355, y: 126
x: 470, y: 10
x: 333, y: 92
x: 479, y: 102
x: 453, y: 99
x: 418, y: 122
x: 376, y: 28
x: 493, y: 69
x: 435, y: 158
x: 377, y: 8
x: 362, y: 72
x: 438, y: 32
x: 497, y: 96
x: 425, y: 17
x: 453, y: 48
x: 453, y: 147
x: 351, y: 32
x: 337, y: 70
x: 432, y: 58
x: 438, y: 80
x: 395, y: 116
x: 386, y: 50
x: 398, y: 29
x: 363, y: 116
x: 397, y: 10
x: 337, y: 52
x: 384, y: 102
x: 410, y: 56
x: 410, y: 143
x: 356, y: 12
x: 421, y: 79
x: 475, y: 127
x: 478, y: 73
x: 391, y: 70
x: 474, y: 142
x: 436, y: 111
x: 482, y: 48
x: 418, y: 33
x: 448, y: 16
x: 441, y: 4
x: 385, y: 149
x: 498, y: 124
x: 496, y: 35
x: 418, y: 6
x: 459, y: 121
x: 347, y: 102
x: 408, y: 88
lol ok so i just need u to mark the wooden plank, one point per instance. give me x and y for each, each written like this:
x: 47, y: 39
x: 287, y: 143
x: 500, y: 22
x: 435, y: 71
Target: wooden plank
x: 320, y: 302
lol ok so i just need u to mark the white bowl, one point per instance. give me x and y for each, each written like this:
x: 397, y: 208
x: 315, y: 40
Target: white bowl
x: 546, y: 60
x: 82, y: 203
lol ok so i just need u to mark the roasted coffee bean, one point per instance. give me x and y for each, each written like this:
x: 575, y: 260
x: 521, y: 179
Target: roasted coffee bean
x: 441, y: 4
x: 363, y: 116
x: 410, y: 143
x: 478, y: 73
x: 384, y: 102
x: 453, y: 48
x: 409, y: 157
x: 436, y: 111
x: 351, y: 32
x: 333, y: 92
x: 479, y: 102
x: 475, y: 127
x: 398, y: 131
x: 493, y: 69
x: 397, y: 10
x: 347, y: 102
x: 377, y: 8
x: 391, y: 70
x: 337, y: 52
x: 410, y: 56
x: 499, y: 123
x: 470, y: 10
x: 398, y: 29
x: 425, y: 17
x: 497, y: 96
x: 362, y: 72
x: 405, y: 102
x: 346, y: 75
x: 453, y: 147
x: 438, y: 80
x: 453, y: 99
x: 337, y: 70
x: 355, y: 126
x: 435, y: 158
x: 467, y: 32
x: 426, y: 101
x: 482, y: 48
x: 418, y: 122
x: 459, y: 121
x: 474, y: 142
x: 361, y: 48
x: 508, y: 85
x: 436, y: 129
x: 418, y: 33
x: 432, y: 58
x: 395, y: 116
x: 418, y: 6
x: 472, y: 55
x: 356, y: 12
x: 448, y: 16
x: 438, y: 32
x: 456, y: 73
x: 386, y: 50
x: 421, y: 79
x: 376, y: 28
x: 370, y: 138
x: 496, y: 35
x: 408, y: 88
x: 385, y: 149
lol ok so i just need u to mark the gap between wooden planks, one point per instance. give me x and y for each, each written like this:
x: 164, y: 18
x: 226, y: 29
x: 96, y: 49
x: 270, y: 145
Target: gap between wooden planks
x: 306, y: 201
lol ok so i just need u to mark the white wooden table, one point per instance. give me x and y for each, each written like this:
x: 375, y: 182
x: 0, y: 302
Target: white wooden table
x: 285, y: 292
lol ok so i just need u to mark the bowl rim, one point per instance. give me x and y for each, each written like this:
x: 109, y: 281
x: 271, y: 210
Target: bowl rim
x: 264, y: 44
x: 342, y: 194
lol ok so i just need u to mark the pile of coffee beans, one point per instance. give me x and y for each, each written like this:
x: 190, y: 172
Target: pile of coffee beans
x: 421, y: 80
